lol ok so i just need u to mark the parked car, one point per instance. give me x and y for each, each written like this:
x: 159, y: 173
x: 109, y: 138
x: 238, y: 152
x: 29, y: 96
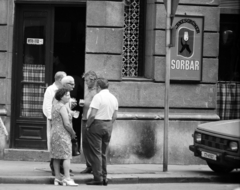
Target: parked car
x: 218, y: 143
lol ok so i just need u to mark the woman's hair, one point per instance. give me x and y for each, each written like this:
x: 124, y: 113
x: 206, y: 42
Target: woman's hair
x: 60, y: 93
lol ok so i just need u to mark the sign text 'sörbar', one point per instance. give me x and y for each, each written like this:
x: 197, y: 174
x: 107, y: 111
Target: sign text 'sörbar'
x: 185, y: 64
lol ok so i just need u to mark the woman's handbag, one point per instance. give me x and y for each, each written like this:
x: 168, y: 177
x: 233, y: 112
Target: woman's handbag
x: 75, y: 151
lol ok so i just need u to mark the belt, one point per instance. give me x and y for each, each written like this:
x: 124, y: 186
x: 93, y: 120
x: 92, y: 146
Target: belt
x: 102, y: 120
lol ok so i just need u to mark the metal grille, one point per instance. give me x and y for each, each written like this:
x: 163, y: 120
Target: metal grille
x: 131, y: 39
x: 214, y: 142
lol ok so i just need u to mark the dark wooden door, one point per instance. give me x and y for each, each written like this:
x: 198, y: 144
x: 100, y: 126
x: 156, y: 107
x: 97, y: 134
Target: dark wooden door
x: 32, y: 70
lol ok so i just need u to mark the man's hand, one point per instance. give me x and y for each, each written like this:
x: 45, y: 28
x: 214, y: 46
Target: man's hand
x: 81, y: 102
x: 73, y: 103
x: 87, y: 127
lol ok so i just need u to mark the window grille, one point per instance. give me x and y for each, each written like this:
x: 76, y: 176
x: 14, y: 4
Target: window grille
x: 130, y: 67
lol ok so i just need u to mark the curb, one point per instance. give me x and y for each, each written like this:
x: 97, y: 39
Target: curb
x: 117, y: 180
x: 25, y: 180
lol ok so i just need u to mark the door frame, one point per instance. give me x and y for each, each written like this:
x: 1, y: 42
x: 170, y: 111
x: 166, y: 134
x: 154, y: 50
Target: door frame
x: 17, y: 68
x: 16, y: 44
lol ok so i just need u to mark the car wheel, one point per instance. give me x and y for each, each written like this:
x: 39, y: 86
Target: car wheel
x: 219, y: 168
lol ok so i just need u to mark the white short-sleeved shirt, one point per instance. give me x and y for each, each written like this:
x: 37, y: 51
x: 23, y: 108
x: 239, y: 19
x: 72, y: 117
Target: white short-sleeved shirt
x: 48, y: 100
x: 106, y: 103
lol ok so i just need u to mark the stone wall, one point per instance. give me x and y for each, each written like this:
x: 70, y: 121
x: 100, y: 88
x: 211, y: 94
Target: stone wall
x: 6, y: 39
x: 138, y: 133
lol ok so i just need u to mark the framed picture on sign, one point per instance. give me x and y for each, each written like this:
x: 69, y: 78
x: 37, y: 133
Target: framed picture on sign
x: 186, y: 55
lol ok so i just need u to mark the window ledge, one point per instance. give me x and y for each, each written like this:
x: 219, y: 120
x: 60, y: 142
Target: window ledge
x: 172, y: 116
x: 137, y: 79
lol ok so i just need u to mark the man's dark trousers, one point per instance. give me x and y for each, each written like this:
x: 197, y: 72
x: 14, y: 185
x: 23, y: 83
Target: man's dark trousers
x: 85, y: 144
x: 99, y: 135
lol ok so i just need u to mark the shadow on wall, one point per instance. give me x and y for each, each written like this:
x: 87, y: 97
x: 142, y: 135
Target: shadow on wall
x: 133, y: 142
x: 141, y: 142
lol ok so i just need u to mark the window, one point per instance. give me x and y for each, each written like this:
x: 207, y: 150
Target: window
x: 229, y: 48
x: 133, y: 39
x: 228, y: 102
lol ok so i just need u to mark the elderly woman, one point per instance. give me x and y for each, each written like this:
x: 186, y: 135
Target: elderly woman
x: 61, y: 135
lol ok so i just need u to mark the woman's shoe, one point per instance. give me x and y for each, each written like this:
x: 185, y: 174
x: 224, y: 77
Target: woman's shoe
x: 69, y: 182
x: 57, y: 182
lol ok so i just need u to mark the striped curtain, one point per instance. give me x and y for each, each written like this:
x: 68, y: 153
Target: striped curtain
x: 233, y: 4
x: 32, y: 94
x: 229, y: 6
x: 228, y: 100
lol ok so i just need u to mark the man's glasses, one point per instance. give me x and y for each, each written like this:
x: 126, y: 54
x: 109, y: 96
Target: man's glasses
x: 71, y: 84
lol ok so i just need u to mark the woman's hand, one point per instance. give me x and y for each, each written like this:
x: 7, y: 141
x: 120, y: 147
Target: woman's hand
x: 71, y: 112
x: 73, y: 135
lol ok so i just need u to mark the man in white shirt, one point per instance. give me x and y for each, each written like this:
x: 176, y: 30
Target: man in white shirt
x: 101, y: 116
x: 47, y: 105
x: 48, y: 101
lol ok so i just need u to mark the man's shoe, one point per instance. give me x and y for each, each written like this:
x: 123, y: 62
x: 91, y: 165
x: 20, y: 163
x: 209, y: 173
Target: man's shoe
x: 105, y: 182
x: 86, y: 171
x: 95, y: 182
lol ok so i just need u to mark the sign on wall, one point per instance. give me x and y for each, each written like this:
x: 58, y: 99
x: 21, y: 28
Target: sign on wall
x: 186, y: 55
x: 34, y: 41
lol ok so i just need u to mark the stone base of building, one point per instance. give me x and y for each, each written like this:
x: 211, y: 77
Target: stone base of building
x: 134, y: 142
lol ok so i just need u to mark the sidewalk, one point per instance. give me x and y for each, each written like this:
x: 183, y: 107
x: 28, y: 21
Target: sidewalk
x: 39, y: 173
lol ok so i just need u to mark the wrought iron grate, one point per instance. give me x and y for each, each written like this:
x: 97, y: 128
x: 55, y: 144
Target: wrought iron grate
x: 131, y: 39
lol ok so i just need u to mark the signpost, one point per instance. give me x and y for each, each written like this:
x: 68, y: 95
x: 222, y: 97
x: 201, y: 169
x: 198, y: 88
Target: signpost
x: 171, y: 7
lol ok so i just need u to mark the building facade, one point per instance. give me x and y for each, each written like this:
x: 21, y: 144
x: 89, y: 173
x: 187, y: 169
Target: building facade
x: 123, y: 41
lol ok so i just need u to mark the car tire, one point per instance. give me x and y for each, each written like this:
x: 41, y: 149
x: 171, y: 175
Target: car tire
x: 219, y: 168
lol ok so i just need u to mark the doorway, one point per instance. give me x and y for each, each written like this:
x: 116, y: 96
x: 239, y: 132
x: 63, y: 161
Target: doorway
x: 69, y: 39
x: 48, y: 38
x: 69, y: 51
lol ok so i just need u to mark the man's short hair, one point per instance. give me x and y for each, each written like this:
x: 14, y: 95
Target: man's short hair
x: 67, y: 79
x: 60, y: 93
x: 59, y: 75
x: 91, y: 74
x: 102, y: 83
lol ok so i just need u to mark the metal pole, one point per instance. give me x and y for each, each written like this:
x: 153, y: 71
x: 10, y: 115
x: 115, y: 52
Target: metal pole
x: 167, y: 78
